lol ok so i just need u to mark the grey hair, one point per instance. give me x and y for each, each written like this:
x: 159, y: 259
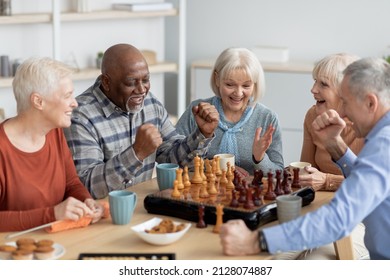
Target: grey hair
x: 332, y: 66
x: 369, y: 75
x: 232, y: 59
x: 39, y: 75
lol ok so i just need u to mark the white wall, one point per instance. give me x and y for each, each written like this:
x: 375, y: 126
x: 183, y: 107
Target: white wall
x: 310, y: 29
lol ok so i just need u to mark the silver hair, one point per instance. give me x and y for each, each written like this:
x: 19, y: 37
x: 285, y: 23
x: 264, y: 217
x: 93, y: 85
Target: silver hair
x: 369, y: 75
x: 39, y: 75
x: 232, y: 59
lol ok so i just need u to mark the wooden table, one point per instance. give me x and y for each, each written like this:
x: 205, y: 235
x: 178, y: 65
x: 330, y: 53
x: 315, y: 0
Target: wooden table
x: 104, y: 237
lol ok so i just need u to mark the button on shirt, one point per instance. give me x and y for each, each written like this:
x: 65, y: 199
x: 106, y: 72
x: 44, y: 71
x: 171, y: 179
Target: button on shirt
x: 101, y: 138
x: 363, y: 196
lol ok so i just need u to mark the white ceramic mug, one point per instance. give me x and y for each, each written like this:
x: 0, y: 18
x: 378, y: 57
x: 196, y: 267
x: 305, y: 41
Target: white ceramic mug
x: 301, y: 165
x: 224, y: 159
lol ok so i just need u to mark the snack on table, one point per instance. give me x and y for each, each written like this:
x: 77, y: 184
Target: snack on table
x: 28, y: 247
x: 166, y: 226
x: 21, y: 254
x: 44, y: 252
x: 44, y: 242
x: 25, y: 241
x: 6, y: 251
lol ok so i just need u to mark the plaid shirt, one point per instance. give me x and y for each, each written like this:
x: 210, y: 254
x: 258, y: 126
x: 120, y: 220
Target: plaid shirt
x: 101, y: 139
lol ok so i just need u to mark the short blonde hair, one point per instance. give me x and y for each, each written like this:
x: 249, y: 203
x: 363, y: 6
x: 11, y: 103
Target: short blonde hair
x: 41, y: 75
x: 332, y: 66
x: 232, y: 59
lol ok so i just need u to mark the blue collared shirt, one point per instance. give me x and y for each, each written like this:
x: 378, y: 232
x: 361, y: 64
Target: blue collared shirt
x: 364, y: 196
x: 101, y: 139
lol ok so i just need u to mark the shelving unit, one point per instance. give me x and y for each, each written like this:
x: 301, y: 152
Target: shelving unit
x: 56, y: 19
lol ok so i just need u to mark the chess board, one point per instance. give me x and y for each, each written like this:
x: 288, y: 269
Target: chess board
x: 162, y: 203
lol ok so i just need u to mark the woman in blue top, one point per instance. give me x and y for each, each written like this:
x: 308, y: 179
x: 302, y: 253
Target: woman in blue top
x: 247, y: 128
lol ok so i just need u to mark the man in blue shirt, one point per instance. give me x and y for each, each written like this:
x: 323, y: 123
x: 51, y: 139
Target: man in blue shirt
x: 365, y: 193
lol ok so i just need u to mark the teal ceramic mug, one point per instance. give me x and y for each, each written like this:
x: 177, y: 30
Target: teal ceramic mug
x: 122, y: 205
x: 166, y: 175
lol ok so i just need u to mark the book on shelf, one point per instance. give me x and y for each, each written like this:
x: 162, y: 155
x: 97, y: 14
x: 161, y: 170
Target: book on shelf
x: 143, y: 7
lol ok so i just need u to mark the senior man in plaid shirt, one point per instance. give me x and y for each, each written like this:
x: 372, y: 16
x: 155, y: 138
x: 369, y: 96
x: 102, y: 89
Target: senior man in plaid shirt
x: 120, y: 129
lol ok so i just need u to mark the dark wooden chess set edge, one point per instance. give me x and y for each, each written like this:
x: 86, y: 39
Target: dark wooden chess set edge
x: 180, y: 206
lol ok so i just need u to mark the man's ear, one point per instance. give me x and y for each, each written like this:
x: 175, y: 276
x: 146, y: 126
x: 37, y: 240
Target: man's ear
x: 372, y: 102
x: 36, y: 100
x: 105, y: 82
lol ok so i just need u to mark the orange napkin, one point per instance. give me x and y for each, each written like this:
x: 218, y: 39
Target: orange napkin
x: 83, y: 222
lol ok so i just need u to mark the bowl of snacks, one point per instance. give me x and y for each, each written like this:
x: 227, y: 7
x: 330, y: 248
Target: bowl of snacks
x: 159, y: 231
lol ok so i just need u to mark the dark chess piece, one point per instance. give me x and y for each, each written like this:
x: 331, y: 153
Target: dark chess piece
x: 286, y: 186
x: 270, y: 194
x: 201, y: 223
x: 257, y: 177
x: 278, y: 187
x: 249, y: 197
x: 234, y: 202
x: 257, y: 195
x: 242, y: 191
x: 296, y: 184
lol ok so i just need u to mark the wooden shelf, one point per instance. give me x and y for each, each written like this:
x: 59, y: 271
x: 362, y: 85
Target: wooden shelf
x: 69, y: 17
x: 92, y: 73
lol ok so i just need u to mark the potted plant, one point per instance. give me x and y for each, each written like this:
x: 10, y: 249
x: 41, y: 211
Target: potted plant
x: 99, y: 58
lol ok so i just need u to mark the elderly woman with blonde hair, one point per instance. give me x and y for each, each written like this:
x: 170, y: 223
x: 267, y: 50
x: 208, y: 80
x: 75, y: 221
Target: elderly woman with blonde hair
x: 247, y: 128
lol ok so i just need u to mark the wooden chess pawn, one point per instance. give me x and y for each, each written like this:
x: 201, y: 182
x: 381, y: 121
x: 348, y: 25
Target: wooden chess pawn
x: 211, y: 187
x: 296, y: 184
x: 186, y: 178
x: 201, y: 223
x: 249, y: 198
x: 201, y: 170
x: 278, y: 188
x: 257, y: 177
x: 218, y: 171
x: 270, y: 194
x: 175, y: 193
x: 234, y: 202
x: 230, y: 177
x: 179, y: 178
x: 203, y: 190
x: 196, y: 178
x: 285, y: 183
x: 219, y: 218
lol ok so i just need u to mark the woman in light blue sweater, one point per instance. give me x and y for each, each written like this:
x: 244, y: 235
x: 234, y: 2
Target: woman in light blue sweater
x: 247, y: 128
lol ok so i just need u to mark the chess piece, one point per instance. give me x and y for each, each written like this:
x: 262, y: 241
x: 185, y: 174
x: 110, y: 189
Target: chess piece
x: 234, y: 202
x: 230, y: 177
x: 203, y: 190
x: 175, y: 193
x: 186, y: 178
x: 278, y: 188
x: 211, y: 186
x: 270, y: 194
x: 249, y: 197
x: 296, y: 184
x: 179, y: 178
x: 219, y: 218
x: 218, y: 171
x: 201, y: 223
x: 257, y: 177
x: 285, y: 183
x: 196, y: 178
x: 202, y: 165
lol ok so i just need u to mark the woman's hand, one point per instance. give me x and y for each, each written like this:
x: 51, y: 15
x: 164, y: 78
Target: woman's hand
x: 96, y: 208
x: 71, y: 209
x: 316, y: 179
x: 262, y: 143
